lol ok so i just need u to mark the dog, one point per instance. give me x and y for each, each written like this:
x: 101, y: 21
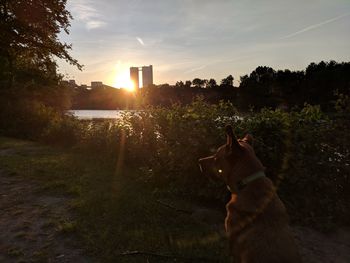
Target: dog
x: 257, y: 222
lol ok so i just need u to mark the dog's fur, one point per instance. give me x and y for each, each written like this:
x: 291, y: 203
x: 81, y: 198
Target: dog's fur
x: 256, y: 221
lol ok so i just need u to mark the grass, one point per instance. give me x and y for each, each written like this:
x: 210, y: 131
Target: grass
x: 14, y: 252
x: 65, y: 226
x: 119, y: 215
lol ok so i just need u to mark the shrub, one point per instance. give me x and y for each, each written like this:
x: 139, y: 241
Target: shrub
x: 306, y: 152
x: 25, y: 118
x: 298, y: 149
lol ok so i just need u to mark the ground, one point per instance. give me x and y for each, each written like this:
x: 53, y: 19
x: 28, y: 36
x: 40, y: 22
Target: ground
x: 38, y: 222
x: 35, y: 226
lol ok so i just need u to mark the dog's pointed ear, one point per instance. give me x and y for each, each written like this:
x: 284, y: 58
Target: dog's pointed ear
x: 231, y: 140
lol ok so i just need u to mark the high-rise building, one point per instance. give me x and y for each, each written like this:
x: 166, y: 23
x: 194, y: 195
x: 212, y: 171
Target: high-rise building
x: 134, y: 76
x: 147, y: 76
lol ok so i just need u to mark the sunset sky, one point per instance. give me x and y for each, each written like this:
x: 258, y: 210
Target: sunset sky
x: 185, y: 39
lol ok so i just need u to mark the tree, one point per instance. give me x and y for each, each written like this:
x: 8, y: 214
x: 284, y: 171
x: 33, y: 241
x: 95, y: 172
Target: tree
x: 188, y: 83
x: 29, y: 32
x: 258, y: 89
x: 197, y: 82
x: 212, y: 83
x: 205, y: 83
x: 228, y: 81
x: 179, y: 84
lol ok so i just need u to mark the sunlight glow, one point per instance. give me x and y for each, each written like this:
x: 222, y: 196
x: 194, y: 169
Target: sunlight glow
x: 122, y: 77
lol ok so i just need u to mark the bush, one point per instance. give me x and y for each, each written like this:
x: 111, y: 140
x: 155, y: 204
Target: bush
x: 31, y: 119
x: 306, y: 152
x: 25, y: 119
x: 64, y: 130
x: 316, y: 185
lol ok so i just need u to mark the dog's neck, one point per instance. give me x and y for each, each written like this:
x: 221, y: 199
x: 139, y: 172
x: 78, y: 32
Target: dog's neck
x: 247, y: 165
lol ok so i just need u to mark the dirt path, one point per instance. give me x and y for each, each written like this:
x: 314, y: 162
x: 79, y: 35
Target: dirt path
x: 319, y: 247
x: 34, y: 226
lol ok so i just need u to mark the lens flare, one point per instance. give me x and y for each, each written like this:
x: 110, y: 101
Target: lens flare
x: 122, y: 78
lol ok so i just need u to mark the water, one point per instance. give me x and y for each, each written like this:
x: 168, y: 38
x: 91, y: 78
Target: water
x: 97, y: 114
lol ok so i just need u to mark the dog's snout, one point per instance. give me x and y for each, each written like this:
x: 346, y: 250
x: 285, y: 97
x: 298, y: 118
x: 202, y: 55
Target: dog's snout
x: 205, y: 163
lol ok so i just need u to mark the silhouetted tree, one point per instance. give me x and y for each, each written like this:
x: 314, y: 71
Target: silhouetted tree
x: 227, y: 82
x: 29, y: 34
x: 263, y: 87
x: 188, y: 83
x: 199, y: 83
x: 212, y: 84
x: 179, y: 84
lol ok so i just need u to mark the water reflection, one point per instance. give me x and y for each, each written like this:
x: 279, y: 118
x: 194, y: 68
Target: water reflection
x: 97, y: 114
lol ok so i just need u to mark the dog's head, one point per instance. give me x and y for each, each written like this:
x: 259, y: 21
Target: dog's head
x: 226, y: 160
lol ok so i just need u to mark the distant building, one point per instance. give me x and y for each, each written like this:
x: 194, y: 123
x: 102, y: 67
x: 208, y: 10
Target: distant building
x: 96, y: 84
x: 147, y: 76
x: 134, y: 76
x: 69, y: 83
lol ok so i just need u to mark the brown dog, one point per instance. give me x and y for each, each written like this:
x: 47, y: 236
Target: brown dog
x: 256, y: 221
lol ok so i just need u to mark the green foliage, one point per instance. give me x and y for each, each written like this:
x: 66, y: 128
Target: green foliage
x: 298, y: 149
x: 269, y: 129
x: 311, y: 113
x: 29, y: 32
x: 167, y: 142
x: 31, y: 119
x: 319, y: 169
x: 62, y: 131
x: 306, y: 153
x: 342, y: 103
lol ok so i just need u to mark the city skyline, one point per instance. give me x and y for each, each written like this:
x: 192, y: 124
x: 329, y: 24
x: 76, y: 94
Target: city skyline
x: 206, y: 39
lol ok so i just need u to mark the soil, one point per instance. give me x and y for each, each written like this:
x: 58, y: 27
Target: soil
x: 315, y: 246
x: 34, y: 226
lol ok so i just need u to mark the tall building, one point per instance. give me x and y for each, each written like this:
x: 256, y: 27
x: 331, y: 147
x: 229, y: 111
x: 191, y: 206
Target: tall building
x: 147, y: 76
x: 134, y: 76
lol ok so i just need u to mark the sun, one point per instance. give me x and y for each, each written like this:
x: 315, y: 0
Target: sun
x: 122, y: 79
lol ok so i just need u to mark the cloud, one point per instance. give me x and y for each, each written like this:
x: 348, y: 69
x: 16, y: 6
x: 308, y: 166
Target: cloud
x: 315, y: 26
x: 92, y: 24
x: 140, y: 41
x: 84, y: 11
x: 195, y: 69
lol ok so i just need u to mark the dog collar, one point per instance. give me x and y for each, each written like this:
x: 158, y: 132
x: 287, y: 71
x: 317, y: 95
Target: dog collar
x: 242, y: 183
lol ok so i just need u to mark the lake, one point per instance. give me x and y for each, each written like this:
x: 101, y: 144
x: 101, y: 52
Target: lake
x: 97, y: 114
x: 107, y: 114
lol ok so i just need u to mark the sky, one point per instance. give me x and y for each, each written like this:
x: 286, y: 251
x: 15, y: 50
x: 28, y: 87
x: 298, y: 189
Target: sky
x: 186, y: 39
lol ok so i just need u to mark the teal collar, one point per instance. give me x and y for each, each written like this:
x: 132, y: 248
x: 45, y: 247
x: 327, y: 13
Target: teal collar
x: 242, y: 183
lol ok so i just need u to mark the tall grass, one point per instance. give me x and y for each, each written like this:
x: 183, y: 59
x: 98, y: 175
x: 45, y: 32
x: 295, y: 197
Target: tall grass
x: 305, y: 152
